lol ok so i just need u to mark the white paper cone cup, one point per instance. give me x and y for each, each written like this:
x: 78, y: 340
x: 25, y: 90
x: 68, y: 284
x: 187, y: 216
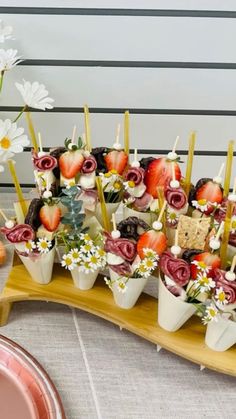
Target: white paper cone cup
x: 111, y: 208
x: 134, y: 289
x: 40, y: 267
x: 148, y: 217
x: 82, y: 280
x: 172, y: 312
x: 221, y: 334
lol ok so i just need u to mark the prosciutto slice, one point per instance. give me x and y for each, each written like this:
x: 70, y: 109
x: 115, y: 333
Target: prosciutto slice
x: 229, y: 287
x: 175, y: 197
x: 120, y: 247
x: 143, y: 203
x: 19, y: 233
x: 122, y: 269
x: 174, y: 268
x: 89, y: 165
x: 135, y: 174
x: 44, y: 163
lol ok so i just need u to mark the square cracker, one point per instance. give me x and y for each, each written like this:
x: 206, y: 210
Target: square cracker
x: 192, y: 232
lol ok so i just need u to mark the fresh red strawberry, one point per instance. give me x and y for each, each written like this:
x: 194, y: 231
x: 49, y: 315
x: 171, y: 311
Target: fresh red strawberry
x: 116, y: 160
x: 50, y: 216
x: 70, y: 163
x: 152, y: 239
x: 205, y: 259
x: 210, y: 192
x: 159, y: 173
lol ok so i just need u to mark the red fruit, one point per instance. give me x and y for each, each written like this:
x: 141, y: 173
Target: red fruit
x: 70, y: 163
x: 155, y: 240
x: 50, y: 216
x: 207, y: 260
x: 211, y: 192
x: 159, y: 173
x: 116, y: 160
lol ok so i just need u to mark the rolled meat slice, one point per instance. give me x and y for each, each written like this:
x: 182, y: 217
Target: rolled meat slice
x: 123, y: 269
x: 44, y: 163
x: 124, y: 248
x: 175, y: 268
x: 176, y: 198
x: 135, y: 174
x: 89, y: 165
x: 229, y: 287
x: 143, y: 203
x: 19, y: 233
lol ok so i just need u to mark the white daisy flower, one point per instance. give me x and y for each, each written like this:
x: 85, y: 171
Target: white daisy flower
x: 87, y: 247
x: 150, y: 253
x: 142, y: 269
x: 122, y: 287
x: 220, y: 296
x: 85, y: 237
x: 12, y: 139
x: 109, y: 179
x: 43, y: 245
x: 201, y: 204
x: 211, y: 314
x: 129, y: 186
x: 69, y: 183
x: 171, y: 216
x: 116, y: 186
x: 35, y: 95
x: 75, y: 255
x: 86, y: 267
x: 30, y: 246
x: 94, y: 261
x: 8, y: 59
x: 67, y: 262
x: 233, y: 224
x: 204, y: 282
x: 201, y: 266
x: 5, y: 32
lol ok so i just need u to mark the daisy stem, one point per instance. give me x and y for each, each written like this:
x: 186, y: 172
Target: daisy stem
x: 20, y: 113
x: 32, y: 132
x: 1, y: 80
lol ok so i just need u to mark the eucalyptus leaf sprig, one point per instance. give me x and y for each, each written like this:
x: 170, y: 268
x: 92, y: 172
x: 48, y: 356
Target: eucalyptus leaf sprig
x: 74, y: 219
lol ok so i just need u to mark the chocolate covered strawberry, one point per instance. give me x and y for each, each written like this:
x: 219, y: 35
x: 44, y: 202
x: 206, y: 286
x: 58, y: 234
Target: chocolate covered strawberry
x: 159, y: 173
x: 50, y: 216
x: 116, y: 160
x: 70, y: 163
x: 206, y: 195
x: 152, y: 239
x: 204, y: 262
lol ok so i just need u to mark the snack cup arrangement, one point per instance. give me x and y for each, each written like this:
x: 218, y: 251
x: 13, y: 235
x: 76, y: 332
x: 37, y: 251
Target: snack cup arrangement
x: 185, y: 234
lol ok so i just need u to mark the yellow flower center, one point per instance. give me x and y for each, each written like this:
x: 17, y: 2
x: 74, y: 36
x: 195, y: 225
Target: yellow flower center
x: 172, y: 216
x: 202, y: 202
x: 72, y: 183
x: 28, y: 245
x: 87, y: 247
x: 87, y: 265
x: 44, y: 245
x: 121, y: 285
x: 113, y: 172
x: 149, y: 263
x: 101, y: 252
x: 221, y: 296
x: 212, y: 312
x: 87, y: 237
x: 75, y: 255
x: 5, y: 143
x: 108, y: 174
x: 142, y: 268
x: 202, y: 265
x: 204, y: 280
x: 94, y: 259
x: 117, y: 185
x: 68, y: 261
x: 131, y: 184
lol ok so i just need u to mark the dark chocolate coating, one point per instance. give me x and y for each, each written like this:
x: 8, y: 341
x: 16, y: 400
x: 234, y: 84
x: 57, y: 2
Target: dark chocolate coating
x: 32, y: 216
x: 145, y: 161
x: 98, y: 153
x: 129, y: 227
x: 189, y: 253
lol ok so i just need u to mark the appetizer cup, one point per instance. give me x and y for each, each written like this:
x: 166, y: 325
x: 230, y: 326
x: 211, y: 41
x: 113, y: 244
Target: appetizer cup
x: 220, y: 334
x: 172, y: 311
x: 84, y: 281
x: 148, y: 217
x: 111, y: 209
x: 134, y: 288
x: 40, y: 266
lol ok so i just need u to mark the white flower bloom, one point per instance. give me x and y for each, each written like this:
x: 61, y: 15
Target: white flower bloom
x: 202, y: 205
x: 171, y: 216
x: 75, y: 255
x: 5, y: 32
x: 86, y: 267
x: 122, y: 287
x: 85, y: 237
x: 8, y: 59
x: 88, y: 247
x: 12, y: 139
x: 142, y: 269
x: 94, y: 261
x: 35, y: 95
x: 211, y: 314
x: 220, y: 297
x: 201, y: 266
x: 67, y: 262
x: 149, y: 253
x: 111, y: 181
x: 69, y: 183
x: 204, y: 282
x: 30, y: 246
x: 43, y: 245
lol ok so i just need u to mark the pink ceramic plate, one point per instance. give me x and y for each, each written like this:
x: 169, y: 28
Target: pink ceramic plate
x: 26, y: 391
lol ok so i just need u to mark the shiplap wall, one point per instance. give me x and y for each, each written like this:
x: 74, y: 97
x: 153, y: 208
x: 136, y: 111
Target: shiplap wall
x: 171, y: 62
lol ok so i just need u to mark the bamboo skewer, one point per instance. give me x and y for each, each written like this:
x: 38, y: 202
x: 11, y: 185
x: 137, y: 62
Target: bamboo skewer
x: 31, y: 131
x: 228, y: 168
x: 189, y: 166
x: 11, y: 165
x: 226, y: 233
x: 87, y: 128
x: 126, y: 133
x: 105, y: 219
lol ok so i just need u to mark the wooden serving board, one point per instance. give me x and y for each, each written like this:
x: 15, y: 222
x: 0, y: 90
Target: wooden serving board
x: 188, y: 342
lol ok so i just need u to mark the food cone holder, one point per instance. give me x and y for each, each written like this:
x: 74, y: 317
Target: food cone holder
x: 188, y: 342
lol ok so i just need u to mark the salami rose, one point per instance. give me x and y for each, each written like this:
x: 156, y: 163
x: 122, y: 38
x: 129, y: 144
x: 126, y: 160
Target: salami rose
x: 135, y: 174
x: 19, y: 233
x: 120, y: 247
x: 176, y: 269
x: 229, y: 287
x: 143, y: 203
x: 122, y: 269
x: 44, y: 163
x: 175, y: 197
x: 89, y: 165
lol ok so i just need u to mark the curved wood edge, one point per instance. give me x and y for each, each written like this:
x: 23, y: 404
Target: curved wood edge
x: 188, y: 342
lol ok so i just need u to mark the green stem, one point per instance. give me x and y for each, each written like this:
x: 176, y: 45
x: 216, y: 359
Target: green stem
x: 21, y: 112
x: 1, y: 80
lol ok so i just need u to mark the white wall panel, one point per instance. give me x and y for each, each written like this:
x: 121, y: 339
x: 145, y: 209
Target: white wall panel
x: 129, y: 87
x: 123, y: 38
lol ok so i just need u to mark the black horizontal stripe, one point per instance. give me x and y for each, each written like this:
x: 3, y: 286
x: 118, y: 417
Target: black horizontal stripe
x: 11, y: 185
x: 148, y: 151
x: 128, y: 64
x: 118, y: 12
x: 135, y: 111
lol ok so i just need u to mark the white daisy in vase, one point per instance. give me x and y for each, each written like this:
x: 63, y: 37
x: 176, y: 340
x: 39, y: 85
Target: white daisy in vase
x: 12, y: 139
x: 8, y: 59
x: 122, y: 287
x: 94, y: 261
x: 35, y: 95
x: 201, y: 266
x: 86, y: 248
x: 220, y: 297
x: 204, y: 282
x: 211, y: 314
x: 85, y: 237
x: 86, y: 267
x: 201, y: 204
x: 30, y: 246
x: 75, y: 255
x: 150, y: 264
x: 149, y: 253
x: 5, y: 32
x: 143, y: 270
x: 44, y: 245
x: 171, y: 216
x: 67, y: 262
x: 69, y: 183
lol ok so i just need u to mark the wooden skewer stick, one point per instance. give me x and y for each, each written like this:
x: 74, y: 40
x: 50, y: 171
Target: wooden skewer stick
x: 228, y: 168
x: 3, y: 215
x: 175, y: 144
x: 220, y: 230
x: 114, y: 222
x: 40, y: 142
x: 173, y: 171
x: 73, y: 135
x: 118, y: 135
x: 162, y: 211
